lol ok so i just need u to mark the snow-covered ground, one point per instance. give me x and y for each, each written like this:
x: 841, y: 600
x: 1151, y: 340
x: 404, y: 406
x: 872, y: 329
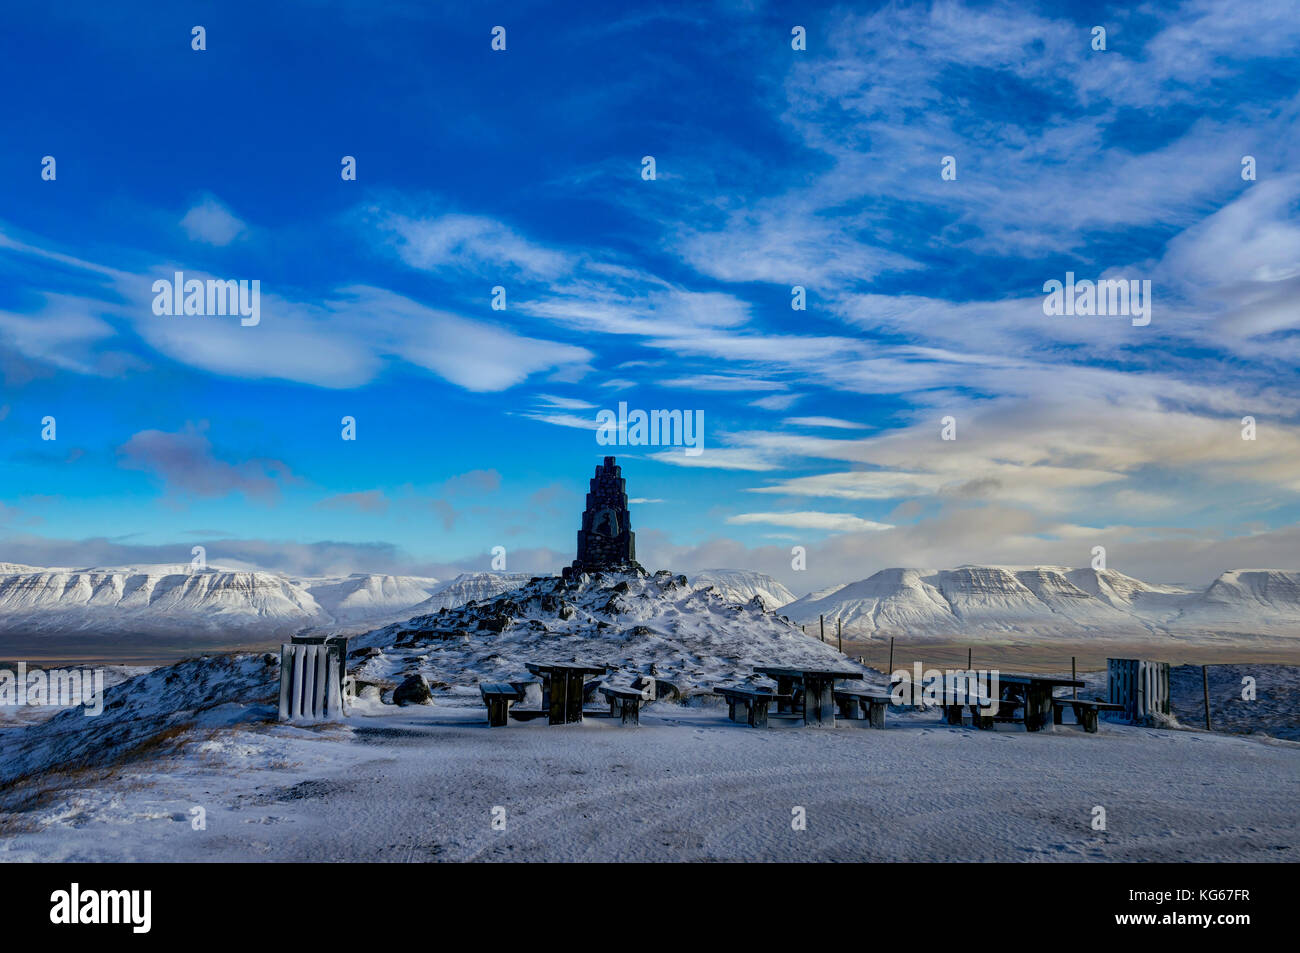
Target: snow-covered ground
x: 422, y: 783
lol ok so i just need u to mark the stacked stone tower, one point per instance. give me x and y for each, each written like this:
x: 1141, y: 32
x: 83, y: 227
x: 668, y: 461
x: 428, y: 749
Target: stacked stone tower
x: 606, y: 541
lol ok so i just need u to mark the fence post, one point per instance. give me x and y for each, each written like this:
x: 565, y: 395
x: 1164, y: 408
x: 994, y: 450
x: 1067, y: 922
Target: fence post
x: 1205, y: 690
x: 822, y: 619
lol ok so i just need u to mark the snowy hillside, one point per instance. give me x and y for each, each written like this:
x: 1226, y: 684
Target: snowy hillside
x: 1025, y: 602
x: 742, y: 585
x: 694, y: 638
x: 1052, y: 601
x: 151, y: 599
x: 206, y: 693
x: 1237, y: 599
x: 368, y: 595
x: 175, y: 598
x: 470, y: 587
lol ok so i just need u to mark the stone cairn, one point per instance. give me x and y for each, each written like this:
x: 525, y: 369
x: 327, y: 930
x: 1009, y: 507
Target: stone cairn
x: 606, y: 542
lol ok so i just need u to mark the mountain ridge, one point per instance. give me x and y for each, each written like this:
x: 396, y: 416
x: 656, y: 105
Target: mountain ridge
x: 1053, y: 601
x: 969, y: 600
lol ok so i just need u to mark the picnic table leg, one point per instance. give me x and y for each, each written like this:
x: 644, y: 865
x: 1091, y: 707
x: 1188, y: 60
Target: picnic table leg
x: 757, y: 710
x: 1038, y: 707
x: 819, y: 694
x: 1088, y: 719
x: 784, y: 686
x: 555, y: 687
x: 1057, y: 712
x: 952, y: 714
x: 573, y: 699
x: 876, y: 717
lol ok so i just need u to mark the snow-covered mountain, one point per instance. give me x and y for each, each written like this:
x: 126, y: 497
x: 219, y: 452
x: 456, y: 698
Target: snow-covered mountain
x: 742, y: 585
x: 470, y: 587
x: 177, y: 599
x: 1032, y: 602
x: 1238, y: 598
x: 368, y: 595
x: 152, y: 599
x: 1052, y: 601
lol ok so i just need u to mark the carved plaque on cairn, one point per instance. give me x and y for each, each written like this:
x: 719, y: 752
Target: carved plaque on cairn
x: 606, y: 541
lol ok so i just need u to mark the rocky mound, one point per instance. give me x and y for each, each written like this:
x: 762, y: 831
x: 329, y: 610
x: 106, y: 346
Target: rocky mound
x: 632, y: 621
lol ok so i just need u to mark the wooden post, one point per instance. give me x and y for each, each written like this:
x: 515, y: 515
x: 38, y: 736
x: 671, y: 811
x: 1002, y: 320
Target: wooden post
x: 822, y: 620
x: 1205, y: 690
x: 839, y: 635
x: 968, y: 657
x: 1075, y: 676
x: 891, y: 656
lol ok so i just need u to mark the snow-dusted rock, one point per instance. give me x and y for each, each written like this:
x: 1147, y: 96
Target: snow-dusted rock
x: 741, y: 585
x: 694, y: 638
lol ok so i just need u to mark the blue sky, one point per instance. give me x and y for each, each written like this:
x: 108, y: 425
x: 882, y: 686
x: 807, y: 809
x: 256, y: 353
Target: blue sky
x: 775, y: 168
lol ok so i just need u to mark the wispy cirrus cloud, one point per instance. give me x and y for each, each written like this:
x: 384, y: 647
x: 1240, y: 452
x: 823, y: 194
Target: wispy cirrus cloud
x: 343, y: 340
x: 473, y: 243
x: 810, y: 519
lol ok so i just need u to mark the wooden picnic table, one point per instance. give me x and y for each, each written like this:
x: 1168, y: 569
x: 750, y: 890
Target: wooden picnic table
x: 815, y: 687
x: 1034, y: 692
x: 562, y: 688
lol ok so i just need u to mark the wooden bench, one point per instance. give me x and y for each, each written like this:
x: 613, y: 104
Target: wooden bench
x: 857, y: 703
x: 1006, y: 713
x: 625, y: 702
x: 915, y: 693
x: 1085, y: 712
x: 951, y: 708
x: 498, y: 696
x: 754, y: 700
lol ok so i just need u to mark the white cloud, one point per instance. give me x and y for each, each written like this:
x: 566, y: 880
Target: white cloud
x: 565, y: 403
x: 807, y: 519
x: 470, y: 243
x: 834, y: 423
x: 341, y: 342
x: 776, y: 402
x: 717, y: 459
x: 723, y: 382
x: 211, y: 222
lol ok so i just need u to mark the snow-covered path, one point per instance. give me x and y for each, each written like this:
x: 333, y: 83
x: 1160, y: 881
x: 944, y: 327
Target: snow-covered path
x: 420, y: 784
